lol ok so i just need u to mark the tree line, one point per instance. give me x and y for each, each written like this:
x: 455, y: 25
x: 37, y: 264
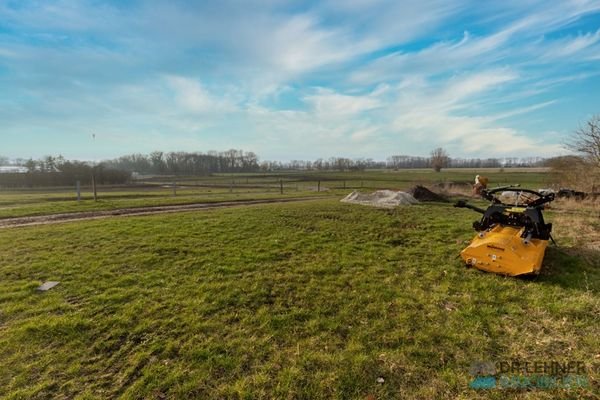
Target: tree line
x: 187, y: 163
x: 57, y: 171
x: 440, y: 159
x: 231, y: 161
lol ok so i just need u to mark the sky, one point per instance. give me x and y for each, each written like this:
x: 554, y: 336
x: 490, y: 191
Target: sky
x: 296, y: 79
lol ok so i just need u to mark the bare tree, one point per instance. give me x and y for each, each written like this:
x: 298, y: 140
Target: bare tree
x: 586, y: 140
x: 439, y: 159
x: 31, y: 165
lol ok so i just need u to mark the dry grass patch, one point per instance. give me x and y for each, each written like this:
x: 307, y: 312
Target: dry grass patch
x: 577, y: 225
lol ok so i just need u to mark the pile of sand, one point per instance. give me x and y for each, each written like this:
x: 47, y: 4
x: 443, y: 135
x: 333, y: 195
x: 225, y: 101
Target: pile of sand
x: 380, y: 198
x: 421, y: 193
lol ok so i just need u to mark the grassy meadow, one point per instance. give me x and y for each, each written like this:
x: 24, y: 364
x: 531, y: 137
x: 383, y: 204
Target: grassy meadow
x: 23, y: 204
x: 313, y: 300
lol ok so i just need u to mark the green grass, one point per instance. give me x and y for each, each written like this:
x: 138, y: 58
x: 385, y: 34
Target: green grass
x: 28, y: 204
x: 402, y: 178
x: 17, y: 203
x: 296, y: 301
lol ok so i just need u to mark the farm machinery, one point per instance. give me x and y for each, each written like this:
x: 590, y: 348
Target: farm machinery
x: 511, y: 236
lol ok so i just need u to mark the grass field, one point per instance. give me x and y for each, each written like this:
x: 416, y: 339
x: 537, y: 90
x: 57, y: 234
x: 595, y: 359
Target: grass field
x: 156, y: 191
x: 28, y: 204
x: 298, y: 301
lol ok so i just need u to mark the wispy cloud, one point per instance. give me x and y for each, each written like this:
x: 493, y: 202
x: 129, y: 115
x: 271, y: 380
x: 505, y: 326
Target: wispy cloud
x: 192, y: 96
x: 329, y: 103
x: 571, y: 46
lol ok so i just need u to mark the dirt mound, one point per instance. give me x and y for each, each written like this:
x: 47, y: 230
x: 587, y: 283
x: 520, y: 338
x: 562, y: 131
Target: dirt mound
x: 421, y: 193
x: 380, y: 198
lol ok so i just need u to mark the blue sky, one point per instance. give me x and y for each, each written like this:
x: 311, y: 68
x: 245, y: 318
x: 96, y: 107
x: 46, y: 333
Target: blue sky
x: 296, y: 79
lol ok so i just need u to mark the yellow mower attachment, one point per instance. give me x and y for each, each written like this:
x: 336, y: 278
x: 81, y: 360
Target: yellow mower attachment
x: 511, y: 238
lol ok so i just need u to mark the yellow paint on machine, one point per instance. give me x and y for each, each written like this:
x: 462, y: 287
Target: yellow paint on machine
x: 502, y: 250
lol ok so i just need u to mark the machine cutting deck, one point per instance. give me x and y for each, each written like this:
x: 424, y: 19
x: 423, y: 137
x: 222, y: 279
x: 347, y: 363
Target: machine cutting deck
x: 511, y: 238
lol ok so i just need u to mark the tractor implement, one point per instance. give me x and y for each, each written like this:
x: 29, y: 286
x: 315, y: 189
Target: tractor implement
x: 511, y: 238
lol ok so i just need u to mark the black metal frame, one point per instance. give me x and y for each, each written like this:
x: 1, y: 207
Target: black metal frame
x: 528, y: 215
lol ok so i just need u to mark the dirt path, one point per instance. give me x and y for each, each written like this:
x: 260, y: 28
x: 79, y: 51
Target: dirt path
x: 87, y: 215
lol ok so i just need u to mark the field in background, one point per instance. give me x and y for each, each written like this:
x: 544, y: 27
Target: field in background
x: 399, y: 179
x: 309, y: 300
x: 159, y: 190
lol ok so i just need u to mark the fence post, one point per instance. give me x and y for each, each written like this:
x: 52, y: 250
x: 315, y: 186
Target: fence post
x: 344, y: 184
x: 318, y: 186
x: 281, y: 186
x: 94, y: 183
x: 78, y: 185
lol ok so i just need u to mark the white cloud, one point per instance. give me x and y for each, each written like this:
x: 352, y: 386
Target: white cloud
x: 300, y: 45
x: 465, y: 87
x: 362, y: 135
x: 522, y: 110
x: 326, y: 102
x: 570, y: 46
x: 192, y: 96
x: 503, y: 45
x: 444, y: 117
x: 439, y: 57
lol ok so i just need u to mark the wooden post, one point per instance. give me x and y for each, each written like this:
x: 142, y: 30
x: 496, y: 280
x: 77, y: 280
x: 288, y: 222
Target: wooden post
x: 231, y: 186
x: 78, y: 185
x: 318, y: 186
x: 281, y: 186
x: 94, y: 184
x: 344, y: 184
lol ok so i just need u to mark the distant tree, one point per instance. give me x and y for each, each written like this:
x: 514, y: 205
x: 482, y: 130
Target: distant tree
x: 30, y: 164
x: 394, y: 161
x: 49, y: 164
x: 158, y: 163
x: 250, y: 161
x: 439, y: 159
